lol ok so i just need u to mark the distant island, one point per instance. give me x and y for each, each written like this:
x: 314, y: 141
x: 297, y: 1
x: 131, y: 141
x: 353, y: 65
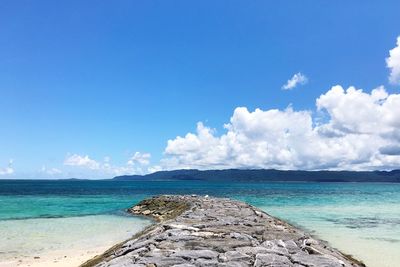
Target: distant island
x: 269, y: 175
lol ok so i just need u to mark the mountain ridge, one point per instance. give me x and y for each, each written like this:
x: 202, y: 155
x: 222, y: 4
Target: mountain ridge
x: 268, y: 175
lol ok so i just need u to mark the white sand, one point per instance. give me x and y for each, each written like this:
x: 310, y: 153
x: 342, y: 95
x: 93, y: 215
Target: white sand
x: 62, y: 242
x: 58, y: 258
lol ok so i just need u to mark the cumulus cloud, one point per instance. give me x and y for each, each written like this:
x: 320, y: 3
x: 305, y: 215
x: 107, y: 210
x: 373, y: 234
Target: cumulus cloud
x: 356, y: 133
x: 137, y: 164
x: 139, y: 158
x: 393, y: 63
x: 7, y: 170
x: 297, y: 79
x: 81, y: 161
x: 50, y: 171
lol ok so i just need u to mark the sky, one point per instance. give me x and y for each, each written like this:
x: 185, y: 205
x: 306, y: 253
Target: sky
x: 94, y: 89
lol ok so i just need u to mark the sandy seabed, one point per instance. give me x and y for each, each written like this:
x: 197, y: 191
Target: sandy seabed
x: 62, y: 258
x: 63, y: 242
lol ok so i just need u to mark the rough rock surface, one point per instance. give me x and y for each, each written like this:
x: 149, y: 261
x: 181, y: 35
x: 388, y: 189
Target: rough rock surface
x: 203, y: 231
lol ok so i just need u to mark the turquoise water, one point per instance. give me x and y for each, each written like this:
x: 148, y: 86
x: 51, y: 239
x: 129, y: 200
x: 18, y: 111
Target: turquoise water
x: 362, y: 219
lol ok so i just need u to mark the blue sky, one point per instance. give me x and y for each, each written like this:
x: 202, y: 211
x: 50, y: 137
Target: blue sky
x: 108, y: 79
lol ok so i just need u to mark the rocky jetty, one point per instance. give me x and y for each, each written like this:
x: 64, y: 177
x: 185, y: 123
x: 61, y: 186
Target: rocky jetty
x: 204, y: 231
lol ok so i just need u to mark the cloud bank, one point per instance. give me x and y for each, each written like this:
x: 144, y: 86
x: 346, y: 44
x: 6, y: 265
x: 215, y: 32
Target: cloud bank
x: 393, y: 63
x: 352, y: 130
x: 84, y: 165
x: 297, y: 79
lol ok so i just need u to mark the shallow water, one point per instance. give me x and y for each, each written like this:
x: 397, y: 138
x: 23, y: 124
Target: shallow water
x: 362, y: 219
x: 369, y: 232
x: 25, y: 239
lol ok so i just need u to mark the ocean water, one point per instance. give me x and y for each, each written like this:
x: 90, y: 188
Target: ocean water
x: 361, y: 219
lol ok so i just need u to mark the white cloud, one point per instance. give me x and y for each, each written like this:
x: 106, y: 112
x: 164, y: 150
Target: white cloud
x: 297, y: 79
x: 139, y: 158
x: 393, y: 63
x: 81, y: 161
x: 51, y: 171
x: 84, y: 166
x: 361, y: 131
x: 7, y: 170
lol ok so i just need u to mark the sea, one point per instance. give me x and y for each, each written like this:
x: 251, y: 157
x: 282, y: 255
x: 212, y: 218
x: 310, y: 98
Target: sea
x: 38, y: 217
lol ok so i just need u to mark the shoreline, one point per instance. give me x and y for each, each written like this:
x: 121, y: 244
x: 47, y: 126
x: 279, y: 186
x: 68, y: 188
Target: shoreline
x: 198, y: 231
x: 63, y: 242
x: 57, y: 258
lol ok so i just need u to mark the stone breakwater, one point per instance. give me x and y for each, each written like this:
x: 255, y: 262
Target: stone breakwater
x: 203, y: 231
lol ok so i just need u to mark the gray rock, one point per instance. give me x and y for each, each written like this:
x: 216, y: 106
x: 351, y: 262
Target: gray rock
x: 252, y: 250
x: 241, y: 236
x: 160, y: 261
x: 291, y: 246
x: 198, y: 231
x: 270, y: 259
x: 196, y: 254
x: 316, y: 260
x: 234, y: 264
x: 205, y: 262
x: 236, y: 256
